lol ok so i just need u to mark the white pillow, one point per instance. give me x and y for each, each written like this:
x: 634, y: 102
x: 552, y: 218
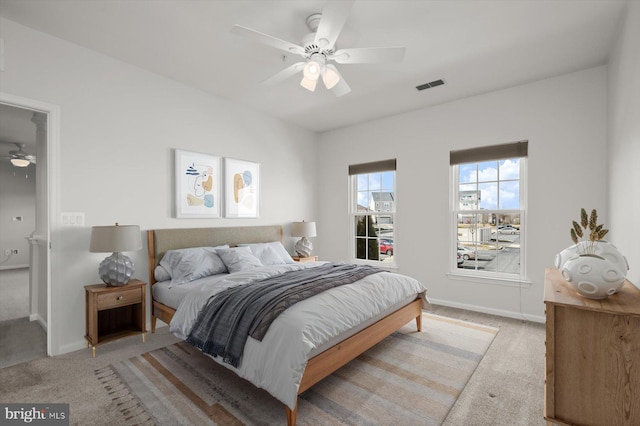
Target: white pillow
x: 238, y: 259
x: 185, y: 265
x: 266, y: 253
x: 284, y: 254
x: 161, y: 274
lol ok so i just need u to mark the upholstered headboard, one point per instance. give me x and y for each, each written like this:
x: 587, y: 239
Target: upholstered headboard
x: 161, y: 240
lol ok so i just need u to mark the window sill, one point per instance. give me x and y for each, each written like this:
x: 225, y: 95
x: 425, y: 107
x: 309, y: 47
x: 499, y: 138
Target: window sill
x: 509, y: 282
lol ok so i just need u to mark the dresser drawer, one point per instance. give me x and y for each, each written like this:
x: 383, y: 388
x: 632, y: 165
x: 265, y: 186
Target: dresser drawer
x: 119, y: 298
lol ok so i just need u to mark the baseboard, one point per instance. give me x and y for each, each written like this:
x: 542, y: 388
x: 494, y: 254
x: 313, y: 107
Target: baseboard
x: 2, y: 268
x: 485, y: 310
x: 82, y: 344
x: 41, y: 321
x: 75, y: 346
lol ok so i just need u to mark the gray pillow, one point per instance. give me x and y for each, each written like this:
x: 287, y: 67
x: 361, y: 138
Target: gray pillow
x: 189, y: 264
x: 239, y: 259
x: 161, y: 274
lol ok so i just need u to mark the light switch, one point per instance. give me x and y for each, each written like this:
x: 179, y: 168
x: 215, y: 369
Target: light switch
x: 72, y: 219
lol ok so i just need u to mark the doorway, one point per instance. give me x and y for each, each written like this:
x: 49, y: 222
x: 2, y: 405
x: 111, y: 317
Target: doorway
x: 44, y: 119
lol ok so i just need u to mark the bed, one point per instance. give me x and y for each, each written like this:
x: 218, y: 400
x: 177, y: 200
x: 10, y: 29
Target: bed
x: 319, y: 363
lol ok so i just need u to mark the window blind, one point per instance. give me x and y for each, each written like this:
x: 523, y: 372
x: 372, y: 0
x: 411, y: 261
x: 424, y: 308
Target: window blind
x: 376, y: 166
x: 492, y: 152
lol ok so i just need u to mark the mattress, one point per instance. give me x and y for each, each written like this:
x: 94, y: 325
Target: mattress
x: 171, y: 296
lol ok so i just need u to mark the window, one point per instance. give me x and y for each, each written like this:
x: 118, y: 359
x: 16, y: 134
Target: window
x: 372, y: 211
x: 488, y: 210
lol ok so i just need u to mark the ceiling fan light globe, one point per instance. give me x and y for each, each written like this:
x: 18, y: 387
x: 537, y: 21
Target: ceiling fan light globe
x: 309, y: 84
x: 20, y: 162
x: 311, y: 70
x: 330, y: 78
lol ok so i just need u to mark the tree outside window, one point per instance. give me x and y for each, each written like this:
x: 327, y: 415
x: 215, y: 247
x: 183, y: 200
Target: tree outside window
x: 373, y: 213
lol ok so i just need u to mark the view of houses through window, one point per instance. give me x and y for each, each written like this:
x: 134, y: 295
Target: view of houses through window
x: 373, y: 215
x: 489, y: 215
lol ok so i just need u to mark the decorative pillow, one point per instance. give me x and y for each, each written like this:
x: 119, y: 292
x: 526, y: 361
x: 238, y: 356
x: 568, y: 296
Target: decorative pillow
x: 161, y: 274
x: 238, y: 259
x: 189, y: 264
x: 266, y: 253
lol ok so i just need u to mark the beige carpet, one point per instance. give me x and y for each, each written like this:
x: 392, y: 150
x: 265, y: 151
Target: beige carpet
x: 505, y: 390
x: 409, y: 378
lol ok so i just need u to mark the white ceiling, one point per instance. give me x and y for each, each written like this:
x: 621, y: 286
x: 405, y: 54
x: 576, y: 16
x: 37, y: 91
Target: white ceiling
x: 476, y: 46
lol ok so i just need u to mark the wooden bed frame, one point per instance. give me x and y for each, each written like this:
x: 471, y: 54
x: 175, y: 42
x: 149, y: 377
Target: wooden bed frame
x: 318, y: 367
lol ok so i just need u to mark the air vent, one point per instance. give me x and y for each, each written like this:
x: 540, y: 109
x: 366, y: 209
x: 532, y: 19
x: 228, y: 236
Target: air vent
x: 430, y: 85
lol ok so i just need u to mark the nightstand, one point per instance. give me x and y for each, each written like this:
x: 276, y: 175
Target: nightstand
x: 305, y: 259
x: 115, y: 312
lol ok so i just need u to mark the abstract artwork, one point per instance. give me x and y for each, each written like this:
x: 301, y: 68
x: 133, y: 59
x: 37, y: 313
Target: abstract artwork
x: 242, y: 188
x: 197, y: 185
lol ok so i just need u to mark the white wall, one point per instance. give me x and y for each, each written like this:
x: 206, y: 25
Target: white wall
x: 119, y: 125
x: 624, y: 142
x: 564, y: 120
x: 17, y: 198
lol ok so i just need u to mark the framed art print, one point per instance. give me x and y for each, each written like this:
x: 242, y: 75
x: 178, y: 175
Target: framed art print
x: 197, y: 186
x: 242, y: 188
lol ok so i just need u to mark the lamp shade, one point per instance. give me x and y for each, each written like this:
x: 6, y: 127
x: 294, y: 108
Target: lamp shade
x: 303, y: 229
x: 114, y: 239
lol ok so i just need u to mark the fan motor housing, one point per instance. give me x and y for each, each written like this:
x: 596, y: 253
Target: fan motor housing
x: 310, y: 46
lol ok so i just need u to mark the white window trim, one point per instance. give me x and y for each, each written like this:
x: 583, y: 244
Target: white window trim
x: 494, y: 280
x: 353, y: 189
x: 489, y: 277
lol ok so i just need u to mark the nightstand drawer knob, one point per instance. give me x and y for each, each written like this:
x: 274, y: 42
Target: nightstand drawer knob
x: 119, y: 298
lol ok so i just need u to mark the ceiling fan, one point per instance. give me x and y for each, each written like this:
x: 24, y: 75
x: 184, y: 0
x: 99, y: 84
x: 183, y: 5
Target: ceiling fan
x: 319, y: 49
x: 18, y: 157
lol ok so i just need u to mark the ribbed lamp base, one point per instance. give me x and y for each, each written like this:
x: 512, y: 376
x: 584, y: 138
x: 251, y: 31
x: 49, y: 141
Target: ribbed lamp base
x: 116, y: 270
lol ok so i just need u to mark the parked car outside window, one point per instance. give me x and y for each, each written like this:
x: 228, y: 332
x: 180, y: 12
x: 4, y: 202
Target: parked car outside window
x: 467, y: 253
x: 508, y: 229
x: 386, y: 247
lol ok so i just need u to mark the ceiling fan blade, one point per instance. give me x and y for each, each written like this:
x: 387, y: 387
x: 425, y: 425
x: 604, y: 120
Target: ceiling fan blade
x: 267, y: 39
x: 342, y: 88
x: 368, y: 55
x: 334, y: 15
x: 284, y: 74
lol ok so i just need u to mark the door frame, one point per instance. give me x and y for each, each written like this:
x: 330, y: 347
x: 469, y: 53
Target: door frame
x: 52, y: 205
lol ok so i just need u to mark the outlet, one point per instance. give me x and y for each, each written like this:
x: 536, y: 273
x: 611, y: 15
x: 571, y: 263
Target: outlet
x: 15, y: 251
x: 7, y: 252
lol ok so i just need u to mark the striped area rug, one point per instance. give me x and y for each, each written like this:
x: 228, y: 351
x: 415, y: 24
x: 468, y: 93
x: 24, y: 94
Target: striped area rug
x: 409, y: 378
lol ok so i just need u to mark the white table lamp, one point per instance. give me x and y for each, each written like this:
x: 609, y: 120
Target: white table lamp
x: 117, y: 269
x: 303, y: 229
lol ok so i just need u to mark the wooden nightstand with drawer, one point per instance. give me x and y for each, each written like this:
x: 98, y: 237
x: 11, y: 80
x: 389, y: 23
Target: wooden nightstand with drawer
x: 115, y: 312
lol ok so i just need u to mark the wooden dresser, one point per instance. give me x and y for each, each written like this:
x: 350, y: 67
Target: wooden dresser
x: 592, y: 357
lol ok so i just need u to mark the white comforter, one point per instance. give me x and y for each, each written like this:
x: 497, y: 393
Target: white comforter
x: 276, y: 364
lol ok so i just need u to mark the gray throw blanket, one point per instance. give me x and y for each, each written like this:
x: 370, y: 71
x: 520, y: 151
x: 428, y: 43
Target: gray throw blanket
x: 225, y: 323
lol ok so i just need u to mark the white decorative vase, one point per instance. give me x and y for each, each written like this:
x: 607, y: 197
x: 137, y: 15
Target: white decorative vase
x: 303, y: 247
x: 595, y: 276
